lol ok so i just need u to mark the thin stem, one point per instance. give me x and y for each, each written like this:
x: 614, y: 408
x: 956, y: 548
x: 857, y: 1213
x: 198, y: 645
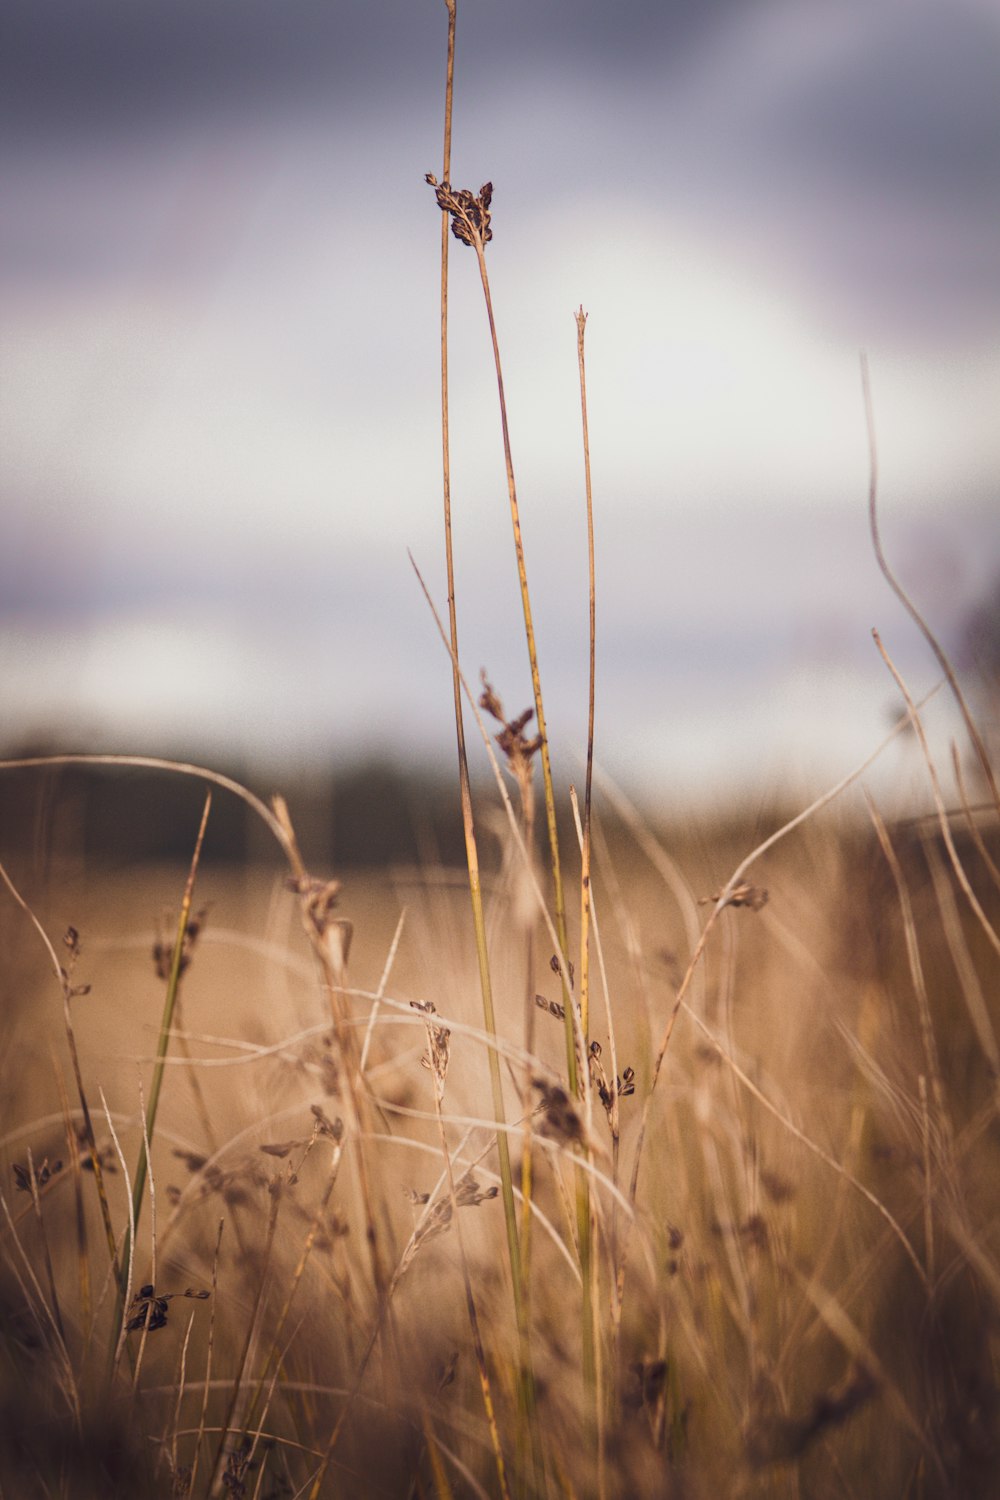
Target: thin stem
x: 470, y: 1301
x: 904, y: 598
x: 468, y: 822
x: 276, y: 1189
x: 559, y: 904
x: 514, y: 1251
x: 88, y: 1124
x: 587, y: 1226
x: 914, y: 719
x: 720, y: 905
x: 811, y: 1145
x: 931, y: 1059
x: 330, y: 960
x: 163, y: 1043
x: 581, y: 324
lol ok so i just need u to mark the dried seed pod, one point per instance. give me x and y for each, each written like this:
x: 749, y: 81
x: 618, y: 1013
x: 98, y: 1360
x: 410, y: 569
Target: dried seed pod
x: 326, y: 1126
x: 438, y: 1043
x: 470, y: 213
x: 754, y: 897
x: 560, y: 1120
x: 554, y: 1007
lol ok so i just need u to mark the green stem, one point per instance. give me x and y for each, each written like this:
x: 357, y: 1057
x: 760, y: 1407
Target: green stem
x: 162, y: 1047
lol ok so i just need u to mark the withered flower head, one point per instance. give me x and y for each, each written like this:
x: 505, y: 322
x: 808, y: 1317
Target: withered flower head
x: 438, y: 1043
x: 150, y: 1311
x: 623, y: 1086
x: 512, y: 740
x: 470, y: 215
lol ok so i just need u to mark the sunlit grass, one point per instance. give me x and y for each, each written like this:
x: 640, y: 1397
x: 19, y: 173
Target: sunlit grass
x: 434, y: 1182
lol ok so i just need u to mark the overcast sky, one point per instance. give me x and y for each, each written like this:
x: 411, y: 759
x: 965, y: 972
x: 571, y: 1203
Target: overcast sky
x: 219, y: 281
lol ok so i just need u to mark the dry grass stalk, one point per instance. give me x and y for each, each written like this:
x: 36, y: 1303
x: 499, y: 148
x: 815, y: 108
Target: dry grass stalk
x: 765, y: 1338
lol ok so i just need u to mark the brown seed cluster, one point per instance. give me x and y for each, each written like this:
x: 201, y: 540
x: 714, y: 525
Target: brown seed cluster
x: 623, y: 1086
x: 560, y: 1121
x: 470, y: 213
x: 163, y: 947
x: 519, y: 751
x: 468, y: 1194
x: 754, y: 897
x: 71, y: 942
x: 554, y: 1007
x: 41, y: 1174
x: 438, y: 1052
x: 149, y: 1311
x: 772, y: 1438
x: 237, y: 1185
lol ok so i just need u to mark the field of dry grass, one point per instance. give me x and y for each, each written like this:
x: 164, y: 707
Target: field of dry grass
x: 644, y: 1168
x: 797, y: 1296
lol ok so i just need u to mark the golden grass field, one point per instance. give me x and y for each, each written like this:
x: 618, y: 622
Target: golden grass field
x: 647, y: 1169
x: 800, y: 1298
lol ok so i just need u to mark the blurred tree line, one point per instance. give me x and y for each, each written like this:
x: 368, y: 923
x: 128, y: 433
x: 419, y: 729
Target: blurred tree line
x: 368, y: 814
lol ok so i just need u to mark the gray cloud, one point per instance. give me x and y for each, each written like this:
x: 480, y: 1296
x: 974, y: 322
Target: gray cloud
x: 105, y: 65
x: 910, y: 110
x: 219, y: 267
x: 851, y: 148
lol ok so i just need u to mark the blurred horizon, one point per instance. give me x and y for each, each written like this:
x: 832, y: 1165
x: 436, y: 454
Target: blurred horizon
x: 219, y: 380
